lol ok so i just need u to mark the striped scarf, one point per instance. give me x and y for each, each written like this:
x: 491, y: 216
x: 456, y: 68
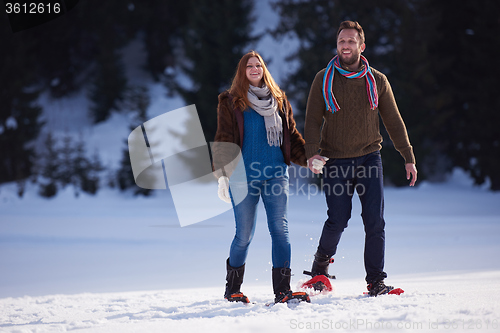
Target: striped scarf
x: 371, y: 85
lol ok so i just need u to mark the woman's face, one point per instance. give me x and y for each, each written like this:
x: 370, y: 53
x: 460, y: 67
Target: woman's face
x: 254, y: 71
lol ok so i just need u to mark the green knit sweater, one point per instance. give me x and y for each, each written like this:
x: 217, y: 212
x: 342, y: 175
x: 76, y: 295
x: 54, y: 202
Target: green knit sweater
x: 354, y: 130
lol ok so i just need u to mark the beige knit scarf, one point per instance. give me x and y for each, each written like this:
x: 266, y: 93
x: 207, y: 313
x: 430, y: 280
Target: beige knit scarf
x: 264, y: 103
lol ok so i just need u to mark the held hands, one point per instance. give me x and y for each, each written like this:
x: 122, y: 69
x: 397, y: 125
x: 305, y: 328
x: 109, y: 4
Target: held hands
x: 316, y: 163
x: 411, y: 170
x: 224, y: 189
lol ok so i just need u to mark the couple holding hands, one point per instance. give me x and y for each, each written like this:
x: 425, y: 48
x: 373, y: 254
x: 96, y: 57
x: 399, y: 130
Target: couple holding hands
x: 341, y: 133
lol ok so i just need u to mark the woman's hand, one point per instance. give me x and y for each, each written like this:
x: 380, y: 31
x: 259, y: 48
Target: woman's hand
x: 316, y: 163
x: 224, y: 189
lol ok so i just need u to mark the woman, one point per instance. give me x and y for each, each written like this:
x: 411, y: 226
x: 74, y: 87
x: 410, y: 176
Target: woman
x: 255, y: 115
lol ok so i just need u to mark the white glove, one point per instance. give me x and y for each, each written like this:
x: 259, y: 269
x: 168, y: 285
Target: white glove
x: 318, y: 164
x: 224, y: 189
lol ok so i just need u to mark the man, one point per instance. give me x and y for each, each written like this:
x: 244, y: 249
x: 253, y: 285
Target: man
x: 343, y: 142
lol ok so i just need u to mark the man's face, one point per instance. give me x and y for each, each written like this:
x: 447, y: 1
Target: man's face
x: 349, y: 47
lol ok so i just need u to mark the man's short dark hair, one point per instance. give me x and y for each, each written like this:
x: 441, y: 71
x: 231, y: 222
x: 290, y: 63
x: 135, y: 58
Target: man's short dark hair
x: 352, y: 25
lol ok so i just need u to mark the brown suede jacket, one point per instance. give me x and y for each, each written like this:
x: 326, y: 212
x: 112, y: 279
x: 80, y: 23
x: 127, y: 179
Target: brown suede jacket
x: 230, y: 128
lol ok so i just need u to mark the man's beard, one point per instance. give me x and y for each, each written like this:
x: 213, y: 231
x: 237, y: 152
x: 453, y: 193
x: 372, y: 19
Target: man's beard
x: 350, y: 60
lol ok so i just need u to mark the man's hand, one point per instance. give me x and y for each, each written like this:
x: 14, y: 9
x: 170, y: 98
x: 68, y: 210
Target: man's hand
x: 316, y: 163
x: 411, y: 170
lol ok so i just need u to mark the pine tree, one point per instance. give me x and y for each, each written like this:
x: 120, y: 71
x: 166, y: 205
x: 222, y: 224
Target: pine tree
x: 59, y: 57
x: 49, y: 167
x: 108, y: 85
x: 66, y: 48
x: 462, y: 101
x: 314, y: 24
x: 212, y: 54
x: 19, y: 111
x: 108, y: 82
x: 85, y: 171
x: 66, y: 163
x: 162, y: 23
x: 65, y: 172
x: 92, y: 184
x: 19, y: 126
x: 136, y: 100
x: 106, y: 31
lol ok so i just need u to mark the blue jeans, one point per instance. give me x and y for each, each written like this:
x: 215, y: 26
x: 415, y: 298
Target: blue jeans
x: 341, y: 178
x: 274, y: 193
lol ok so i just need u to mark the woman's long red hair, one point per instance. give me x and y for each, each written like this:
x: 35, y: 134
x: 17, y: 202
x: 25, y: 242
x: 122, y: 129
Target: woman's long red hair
x: 240, y: 85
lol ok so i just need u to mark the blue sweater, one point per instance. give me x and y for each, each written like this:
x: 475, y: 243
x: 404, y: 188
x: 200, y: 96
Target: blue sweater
x: 261, y: 160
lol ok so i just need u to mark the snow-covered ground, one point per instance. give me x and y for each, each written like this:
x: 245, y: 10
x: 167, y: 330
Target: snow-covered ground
x: 432, y: 304
x: 114, y: 263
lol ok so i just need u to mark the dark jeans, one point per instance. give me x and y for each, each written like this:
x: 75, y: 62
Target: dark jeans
x: 341, y: 178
